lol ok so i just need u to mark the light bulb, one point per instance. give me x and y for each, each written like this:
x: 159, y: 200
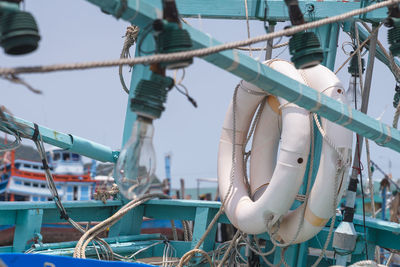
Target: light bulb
x: 137, y: 161
x: 353, y: 94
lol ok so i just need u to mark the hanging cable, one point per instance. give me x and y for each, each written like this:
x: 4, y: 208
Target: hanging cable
x: 182, y: 89
x: 15, y: 79
x: 247, y: 25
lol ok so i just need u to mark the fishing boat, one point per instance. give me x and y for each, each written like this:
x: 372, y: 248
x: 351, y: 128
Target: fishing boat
x: 24, y: 180
x: 290, y: 146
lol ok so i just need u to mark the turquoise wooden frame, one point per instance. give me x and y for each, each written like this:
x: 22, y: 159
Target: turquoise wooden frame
x: 18, y: 214
x: 28, y: 217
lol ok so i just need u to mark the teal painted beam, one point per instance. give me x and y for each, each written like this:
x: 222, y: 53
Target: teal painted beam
x: 277, y: 10
x: 139, y: 72
x: 109, y: 240
x: 328, y: 37
x: 79, y: 211
x: 70, y: 142
x: 130, y: 224
x: 30, y: 215
x: 6, y: 249
x: 278, y: 84
x: 234, y: 9
x: 203, y: 218
x: 28, y: 223
x: 27, y: 205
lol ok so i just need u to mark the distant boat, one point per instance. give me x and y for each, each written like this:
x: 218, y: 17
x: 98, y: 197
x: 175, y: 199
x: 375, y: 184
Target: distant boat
x: 24, y: 180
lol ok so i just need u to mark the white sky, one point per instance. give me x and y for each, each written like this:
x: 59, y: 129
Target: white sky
x: 92, y: 104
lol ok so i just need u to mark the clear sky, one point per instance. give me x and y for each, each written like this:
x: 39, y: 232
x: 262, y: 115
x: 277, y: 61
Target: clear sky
x: 92, y: 104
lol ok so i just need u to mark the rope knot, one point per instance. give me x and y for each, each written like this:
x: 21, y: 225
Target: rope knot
x: 131, y: 35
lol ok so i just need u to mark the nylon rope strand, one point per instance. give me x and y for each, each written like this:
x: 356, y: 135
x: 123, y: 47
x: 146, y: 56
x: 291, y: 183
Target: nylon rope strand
x: 360, y: 70
x: 199, y: 52
x: 341, y: 167
x: 258, y: 251
x: 358, y: 48
x: 360, y: 66
x: 131, y: 34
x: 393, y: 67
x: 392, y: 64
x: 248, y: 26
x: 86, y: 238
x: 248, y: 153
x: 37, y: 139
x: 15, y: 79
x: 245, y: 48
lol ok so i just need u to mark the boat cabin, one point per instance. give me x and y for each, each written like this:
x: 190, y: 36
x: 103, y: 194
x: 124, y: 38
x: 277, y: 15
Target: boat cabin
x: 23, y: 180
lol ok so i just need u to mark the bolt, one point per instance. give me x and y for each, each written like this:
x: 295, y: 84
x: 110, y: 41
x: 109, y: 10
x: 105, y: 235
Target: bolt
x: 310, y: 8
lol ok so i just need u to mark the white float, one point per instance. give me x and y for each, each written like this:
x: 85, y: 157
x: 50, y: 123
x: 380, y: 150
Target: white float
x: 279, y: 155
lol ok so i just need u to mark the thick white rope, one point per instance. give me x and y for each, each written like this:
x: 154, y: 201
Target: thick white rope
x: 245, y: 48
x: 341, y: 166
x: 199, y: 52
x: 86, y: 238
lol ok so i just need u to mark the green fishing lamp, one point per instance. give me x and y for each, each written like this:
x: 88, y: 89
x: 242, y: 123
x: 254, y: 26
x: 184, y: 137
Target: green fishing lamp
x: 305, y: 50
x: 353, y: 68
x: 393, y: 35
x: 304, y: 47
x: 19, y: 30
x: 396, y: 97
x: 393, y: 22
x: 150, y: 95
x: 170, y: 37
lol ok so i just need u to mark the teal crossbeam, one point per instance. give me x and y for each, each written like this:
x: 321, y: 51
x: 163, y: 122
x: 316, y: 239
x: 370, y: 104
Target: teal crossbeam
x: 276, y: 9
x: 274, y: 82
x: 381, y: 233
x: 71, y: 142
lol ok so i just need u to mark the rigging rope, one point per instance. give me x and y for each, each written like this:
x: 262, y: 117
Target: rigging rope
x: 247, y: 25
x: 195, y: 53
x: 358, y: 48
x: 131, y: 34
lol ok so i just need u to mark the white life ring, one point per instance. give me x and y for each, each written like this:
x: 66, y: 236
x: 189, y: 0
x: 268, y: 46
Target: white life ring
x: 275, y: 180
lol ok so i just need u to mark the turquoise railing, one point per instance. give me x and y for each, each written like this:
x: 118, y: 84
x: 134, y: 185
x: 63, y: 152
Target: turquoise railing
x: 28, y: 218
